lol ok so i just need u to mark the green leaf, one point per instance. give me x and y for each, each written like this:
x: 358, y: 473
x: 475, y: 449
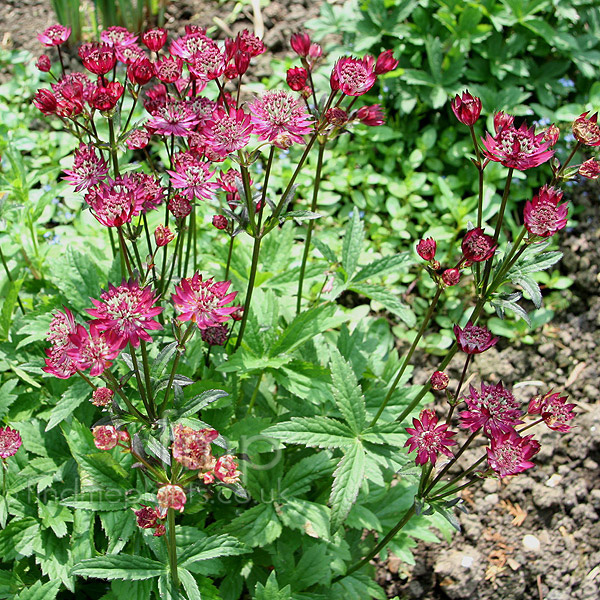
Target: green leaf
x: 531, y: 287
x: 201, y: 401
x: 301, y: 215
x: 308, y: 517
x: 10, y: 300
x: 347, y: 480
x: 211, y: 547
x: 6, y: 396
x: 298, y: 478
x: 189, y: 584
x: 119, y: 566
x: 320, y: 432
x: 325, y: 250
x: 164, y: 356
x: 39, y: 591
x: 102, y: 500
x: 74, y: 396
x: 55, y: 516
x: 347, y: 393
x: 304, y: 327
x: 257, y: 526
x: 17, y: 538
x: 104, y: 471
x: 383, y: 265
x: 389, y: 301
x: 353, y: 241
x: 132, y: 590
x: 271, y: 590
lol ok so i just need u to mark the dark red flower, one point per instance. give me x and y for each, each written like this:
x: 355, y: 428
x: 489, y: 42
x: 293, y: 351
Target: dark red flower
x: 94, y: 350
x: 336, y: 116
x: 385, y: 62
x: 590, y: 169
x: 43, y: 63
x: 98, y: 59
x: 155, y: 39
x: 502, y: 121
x: 428, y: 438
x: 426, y: 248
x: 296, y: 78
x: 474, y: 339
x: 300, y: 43
x: 466, y: 108
x: 106, y: 97
x: 220, y: 221
x: 163, y: 235
x: 451, y: 277
x: 370, y: 115
x: 477, y: 246
x: 55, y: 35
x: 146, y: 517
x: 552, y: 134
x: 10, y: 442
x: 509, y: 453
x: 215, y: 336
x: 543, y: 215
x: 439, y: 381
x: 554, y: 409
x: 141, y: 71
x: 250, y: 43
x: 586, y: 130
x: 45, y: 101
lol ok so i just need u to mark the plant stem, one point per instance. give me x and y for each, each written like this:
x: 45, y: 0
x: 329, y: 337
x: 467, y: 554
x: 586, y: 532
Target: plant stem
x: 138, y: 378
x: 172, y: 547
x: 380, y: 546
x: 461, y: 476
x: 408, y: 356
x: 9, y: 277
x: 254, y: 394
x: 458, y: 388
x: 229, y: 255
x: 117, y: 388
x: 190, y: 237
x: 311, y: 225
x: 124, y: 254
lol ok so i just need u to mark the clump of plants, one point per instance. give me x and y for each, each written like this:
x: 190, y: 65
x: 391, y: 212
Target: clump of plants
x: 237, y: 430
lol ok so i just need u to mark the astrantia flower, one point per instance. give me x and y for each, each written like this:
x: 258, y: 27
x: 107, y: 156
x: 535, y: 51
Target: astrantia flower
x: 168, y: 69
x: 118, y: 36
x: 353, y: 76
x: 519, y: 149
x: 586, y: 130
x: 155, y: 39
x: 173, y: 118
x: 93, y: 350
x: 229, y: 131
x: 502, y: 121
x: 171, y: 496
x: 296, y: 78
x: 477, y: 246
x: 300, y: 43
x: 45, y: 101
x: 192, y: 448
x: 370, y: 115
x: 474, y: 339
x: 105, y: 97
x: 509, y: 453
x: 146, y: 517
x: 191, y: 176
x: 88, y: 168
x: 543, y: 215
x: 129, y: 54
x: 385, y: 62
x: 188, y: 45
x: 10, y: 442
x: 494, y: 408
x: 179, y: 206
x: 215, y: 336
x: 426, y: 248
x: 156, y: 98
x: 163, y: 235
x: 590, y: 169
x: 126, y: 311
x: 278, y: 112
x: 43, y: 63
x: 58, y: 362
x: 203, y: 302
x: 466, y: 108
x: 61, y: 327
x: 552, y: 134
x: 98, y: 58
x: 55, y: 35
x: 428, y: 438
x: 102, y: 396
x: 451, y: 277
x: 150, y: 190
x: 115, y: 201
x: 137, y: 139
x: 337, y: 117
x: 106, y: 437
x: 250, y: 43
x: 207, y: 64
x: 141, y: 71
x: 439, y: 381
x: 226, y: 469
x: 554, y: 409
x: 220, y: 222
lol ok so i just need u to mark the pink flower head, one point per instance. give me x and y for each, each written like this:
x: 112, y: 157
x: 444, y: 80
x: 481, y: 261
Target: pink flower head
x: 58, y: 363
x: 55, y: 35
x: 466, y: 108
x: 115, y: 202
x: 494, y: 408
x: 156, y: 98
x: 127, y: 312
x: 428, y: 438
x: 192, y: 448
x: 203, y: 302
x: 439, y: 381
x: 159, y: 530
x: 353, y: 76
x: 474, y: 339
x: 105, y: 97
x: 140, y: 71
x: 150, y: 190
x: 226, y: 469
x: 519, y: 149
x: 173, y: 118
x: 191, y: 43
x: 129, y: 54
x: 586, y: 130
x: 155, y: 39
x: 300, y: 43
x: 278, y: 112
x: 477, y: 246
x: 137, y: 139
x: 296, y: 78
x: 385, y: 62
x: 93, y: 350
x: 229, y: 131
x: 451, y: 277
x: 215, y: 336
x: 208, y: 63
x: 426, y: 249
x: 370, y: 115
x: 502, y: 121
x: 554, y: 409
x: 179, y: 206
x: 590, y: 169
x: 163, y: 235
x: 106, y: 437
x: 118, y: 36
x: 10, y: 442
x: 171, y: 496
x: 146, y: 517
x: 168, y: 69
x: 45, y: 101
x: 543, y: 215
x: 102, y: 396
x: 552, y: 134
x: 337, y: 117
x: 98, y: 59
x: 43, y: 64
x: 250, y: 43
x: 191, y: 176
x: 509, y: 453
x: 220, y: 222
x: 88, y: 168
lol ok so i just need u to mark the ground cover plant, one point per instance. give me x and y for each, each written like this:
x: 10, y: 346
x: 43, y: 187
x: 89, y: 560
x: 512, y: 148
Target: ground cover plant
x: 223, y: 425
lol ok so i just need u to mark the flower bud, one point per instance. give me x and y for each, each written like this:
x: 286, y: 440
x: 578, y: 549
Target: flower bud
x: 220, y: 221
x: 371, y: 115
x: 106, y: 437
x: 171, y: 496
x: 552, y: 134
x: 43, y: 63
x: 102, y: 396
x: 439, y: 381
x: 141, y: 71
x: 155, y: 39
x: 296, y: 78
x: 478, y: 246
x: 146, y: 517
x: 586, y: 130
x: 385, y: 62
x: 451, y: 277
x: 502, y: 121
x: 336, y: 117
x: 163, y: 235
x: 137, y: 139
x: 426, y: 249
x: 300, y: 43
x: 466, y: 108
x: 45, y: 101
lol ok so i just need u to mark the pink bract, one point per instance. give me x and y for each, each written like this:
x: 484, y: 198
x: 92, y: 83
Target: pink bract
x: 554, y: 409
x: 192, y: 448
x: 106, y: 437
x: 543, y: 215
x: 474, y: 339
x: 55, y: 35
x: 428, y: 438
x: 226, y: 469
x: 173, y: 118
x: 353, y: 76
x: 102, y: 396
x: 229, y: 131
x: 171, y: 496
x: 509, y: 453
x: 466, y: 108
x: 115, y: 201
x: 88, y: 168
x: 586, y: 130
x: 126, y: 311
x: 203, y: 302
x: 118, y: 36
x: 477, y: 246
x: 191, y: 176
x: 10, y: 442
x: 93, y: 350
